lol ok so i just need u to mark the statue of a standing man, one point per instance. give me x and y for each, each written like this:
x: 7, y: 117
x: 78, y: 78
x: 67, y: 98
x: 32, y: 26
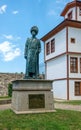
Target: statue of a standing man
x: 32, y: 50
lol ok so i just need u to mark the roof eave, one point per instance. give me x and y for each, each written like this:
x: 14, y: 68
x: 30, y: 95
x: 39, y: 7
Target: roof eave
x: 56, y: 29
x: 70, y: 5
x: 66, y: 22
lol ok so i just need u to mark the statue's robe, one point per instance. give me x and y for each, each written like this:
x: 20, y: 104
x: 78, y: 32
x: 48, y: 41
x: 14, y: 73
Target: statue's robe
x: 32, y: 50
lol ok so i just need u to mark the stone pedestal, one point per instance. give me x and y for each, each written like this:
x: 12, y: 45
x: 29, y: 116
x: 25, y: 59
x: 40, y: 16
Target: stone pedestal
x: 32, y: 96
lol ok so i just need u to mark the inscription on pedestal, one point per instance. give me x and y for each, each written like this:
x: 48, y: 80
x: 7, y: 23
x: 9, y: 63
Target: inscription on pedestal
x: 36, y: 101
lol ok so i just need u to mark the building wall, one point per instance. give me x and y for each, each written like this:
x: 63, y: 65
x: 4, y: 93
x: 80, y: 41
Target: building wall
x: 60, y: 44
x: 74, y: 33
x: 72, y: 92
x: 56, y: 68
x: 60, y: 89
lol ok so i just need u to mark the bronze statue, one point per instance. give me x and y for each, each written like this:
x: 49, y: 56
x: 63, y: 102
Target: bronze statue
x: 32, y: 50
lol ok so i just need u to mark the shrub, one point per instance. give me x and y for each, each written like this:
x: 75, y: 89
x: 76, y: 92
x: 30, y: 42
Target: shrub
x: 10, y: 90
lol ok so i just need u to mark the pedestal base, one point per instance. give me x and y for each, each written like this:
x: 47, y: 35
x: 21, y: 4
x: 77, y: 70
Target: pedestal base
x: 32, y: 96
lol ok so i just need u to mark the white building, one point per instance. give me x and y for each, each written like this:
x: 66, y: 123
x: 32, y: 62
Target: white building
x: 63, y: 54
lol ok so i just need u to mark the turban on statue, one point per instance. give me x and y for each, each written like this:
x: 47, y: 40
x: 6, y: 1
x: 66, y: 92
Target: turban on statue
x: 34, y: 28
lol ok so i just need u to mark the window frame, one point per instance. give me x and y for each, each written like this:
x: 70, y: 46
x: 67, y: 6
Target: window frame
x: 47, y: 48
x: 80, y: 65
x: 70, y: 15
x: 53, y: 45
x: 80, y: 11
x: 77, y: 89
x: 72, y: 40
x: 73, y: 65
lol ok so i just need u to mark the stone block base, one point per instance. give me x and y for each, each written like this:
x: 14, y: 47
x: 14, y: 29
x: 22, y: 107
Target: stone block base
x: 32, y: 96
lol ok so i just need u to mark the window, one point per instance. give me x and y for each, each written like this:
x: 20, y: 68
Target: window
x: 80, y: 11
x: 73, y: 65
x: 77, y: 88
x: 72, y: 40
x: 70, y: 15
x: 48, y: 48
x: 80, y: 65
x: 52, y: 45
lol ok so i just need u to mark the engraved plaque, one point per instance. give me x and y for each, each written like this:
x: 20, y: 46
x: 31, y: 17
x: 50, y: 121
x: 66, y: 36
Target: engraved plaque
x: 36, y: 101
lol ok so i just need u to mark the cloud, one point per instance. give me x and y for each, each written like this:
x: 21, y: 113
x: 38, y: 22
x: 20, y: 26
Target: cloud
x: 11, y: 37
x: 51, y: 12
x: 15, y: 12
x: 3, y: 9
x: 9, y: 51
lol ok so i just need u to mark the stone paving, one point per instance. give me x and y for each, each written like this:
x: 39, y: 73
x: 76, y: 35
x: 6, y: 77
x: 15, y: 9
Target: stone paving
x: 67, y: 107
x: 56, y: 105
x: 4, y: 107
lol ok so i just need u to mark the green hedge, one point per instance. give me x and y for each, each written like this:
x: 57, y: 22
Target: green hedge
x: 10, y: 89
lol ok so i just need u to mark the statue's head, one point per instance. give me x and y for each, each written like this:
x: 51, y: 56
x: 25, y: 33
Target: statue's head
x: 35, y: 29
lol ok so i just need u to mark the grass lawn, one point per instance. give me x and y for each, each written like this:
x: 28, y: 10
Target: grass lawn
x: 59, y: 120
x: 4, y: 97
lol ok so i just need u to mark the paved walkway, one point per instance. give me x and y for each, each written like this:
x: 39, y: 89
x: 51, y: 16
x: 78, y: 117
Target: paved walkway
x: 67, y: 106
x: 57, y: 106
x: 4, y: 107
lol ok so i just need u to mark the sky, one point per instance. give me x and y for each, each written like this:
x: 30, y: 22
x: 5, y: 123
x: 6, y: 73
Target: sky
x: 16, y: 19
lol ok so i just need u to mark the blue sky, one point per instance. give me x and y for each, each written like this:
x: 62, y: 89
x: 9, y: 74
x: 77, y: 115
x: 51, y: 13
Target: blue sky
x: 16, y: 19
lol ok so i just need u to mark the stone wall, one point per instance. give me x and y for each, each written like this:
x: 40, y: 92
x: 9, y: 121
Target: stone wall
x: 5, y: 79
